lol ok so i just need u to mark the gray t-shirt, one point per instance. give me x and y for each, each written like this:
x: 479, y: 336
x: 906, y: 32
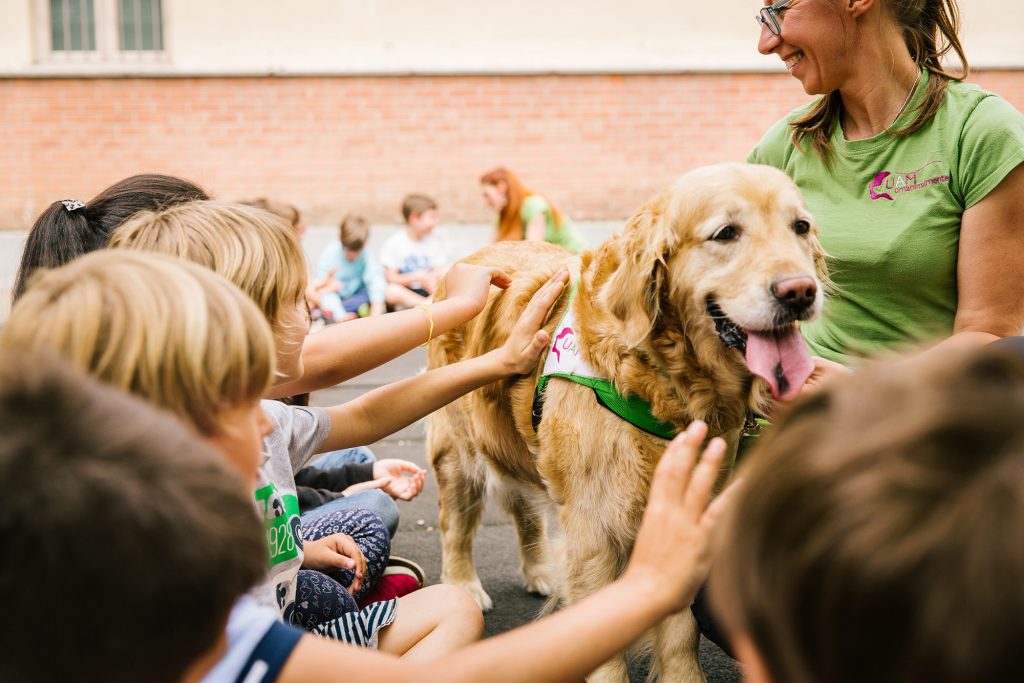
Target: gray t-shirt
x: 298, y: 435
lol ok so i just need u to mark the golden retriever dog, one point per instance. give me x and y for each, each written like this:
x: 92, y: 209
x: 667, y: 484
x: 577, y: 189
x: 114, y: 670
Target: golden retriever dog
x: 695, y: 309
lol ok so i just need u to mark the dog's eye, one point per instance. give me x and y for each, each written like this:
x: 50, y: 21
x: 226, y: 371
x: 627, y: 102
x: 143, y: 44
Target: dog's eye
x: 801, y: 227
x: 726, y: 234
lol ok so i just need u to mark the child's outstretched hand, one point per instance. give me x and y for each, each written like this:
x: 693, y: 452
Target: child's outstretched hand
x: 472, y: 284
x: 672, y: 557
x: 404, y: 479
x: 524, y: 345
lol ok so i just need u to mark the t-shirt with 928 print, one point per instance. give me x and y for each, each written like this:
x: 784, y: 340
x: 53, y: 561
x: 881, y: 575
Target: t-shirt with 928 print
x: 298, y: 434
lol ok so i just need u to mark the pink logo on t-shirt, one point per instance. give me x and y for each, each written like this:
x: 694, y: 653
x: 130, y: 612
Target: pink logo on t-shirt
x: 877, y: 182
x: 898, y: 182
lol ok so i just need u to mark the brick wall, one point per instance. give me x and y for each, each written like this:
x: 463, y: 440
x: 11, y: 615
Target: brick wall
x: 596, y: 145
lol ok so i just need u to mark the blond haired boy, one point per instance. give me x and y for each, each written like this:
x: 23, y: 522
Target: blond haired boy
x: 173, y: 333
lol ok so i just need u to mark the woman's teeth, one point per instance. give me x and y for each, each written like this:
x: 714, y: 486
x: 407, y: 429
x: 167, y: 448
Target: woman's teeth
x: 794, y: 60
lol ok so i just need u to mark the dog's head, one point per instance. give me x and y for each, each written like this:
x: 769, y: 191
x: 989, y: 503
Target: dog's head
x: 730, y: 255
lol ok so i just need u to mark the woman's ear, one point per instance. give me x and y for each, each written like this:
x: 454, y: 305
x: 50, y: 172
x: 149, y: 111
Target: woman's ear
x: 857, y: 8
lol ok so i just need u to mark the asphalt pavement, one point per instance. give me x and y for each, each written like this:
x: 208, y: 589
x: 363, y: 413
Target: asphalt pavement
x: 496, y: 550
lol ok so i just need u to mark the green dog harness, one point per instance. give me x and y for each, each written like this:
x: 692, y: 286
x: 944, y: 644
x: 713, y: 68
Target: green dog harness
x: 565, y: 361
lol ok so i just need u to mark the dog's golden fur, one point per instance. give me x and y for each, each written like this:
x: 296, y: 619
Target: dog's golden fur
x: 642, y: 322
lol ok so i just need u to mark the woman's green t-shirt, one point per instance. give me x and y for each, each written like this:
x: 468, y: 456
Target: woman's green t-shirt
x: 565, y: 235
x: 889, y: 210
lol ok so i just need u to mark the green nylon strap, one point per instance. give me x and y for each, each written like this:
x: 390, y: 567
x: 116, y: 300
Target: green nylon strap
x: 633, y: 409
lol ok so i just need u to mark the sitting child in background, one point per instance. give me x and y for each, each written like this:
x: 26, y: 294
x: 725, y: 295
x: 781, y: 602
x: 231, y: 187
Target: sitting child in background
x: 877, y: 535
x: 361, y: 280
x: 146, y: 534
x: 414, y: 259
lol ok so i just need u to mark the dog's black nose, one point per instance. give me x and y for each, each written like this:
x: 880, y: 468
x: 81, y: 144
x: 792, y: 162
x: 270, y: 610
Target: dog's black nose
x: 795, y: 292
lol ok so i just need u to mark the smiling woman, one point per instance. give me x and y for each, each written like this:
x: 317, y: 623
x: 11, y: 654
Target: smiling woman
x: 910, y: 173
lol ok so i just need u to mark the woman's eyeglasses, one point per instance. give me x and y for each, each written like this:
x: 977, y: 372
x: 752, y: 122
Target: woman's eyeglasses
x: 769, y: 17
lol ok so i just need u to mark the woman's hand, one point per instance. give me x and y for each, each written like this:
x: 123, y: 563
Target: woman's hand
x: 471, y: 284
x: 520, y: 352
x: 672, y: 557
x: 337, y: 551
x: 824, y: 372
x: 404, y: 479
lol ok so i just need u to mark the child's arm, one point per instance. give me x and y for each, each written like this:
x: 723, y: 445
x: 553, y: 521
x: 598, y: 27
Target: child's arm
x: 670, y: 561
x: 387, y: 409
x: 406, y: 279
x: 376, y: 284
x: 344, y: 351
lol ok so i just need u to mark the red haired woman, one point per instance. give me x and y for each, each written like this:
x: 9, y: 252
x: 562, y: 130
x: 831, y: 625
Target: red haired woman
x: 524, y: 214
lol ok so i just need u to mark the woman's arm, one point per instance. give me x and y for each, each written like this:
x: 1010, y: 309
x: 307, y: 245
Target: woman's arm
x: 990, y: 272
x: 990, y: 266
x: 537, y: 228
x: 349, y: 349
x: 387, y: 409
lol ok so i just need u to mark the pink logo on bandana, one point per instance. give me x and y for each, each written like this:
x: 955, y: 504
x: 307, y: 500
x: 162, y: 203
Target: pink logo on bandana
x: 565, y: 341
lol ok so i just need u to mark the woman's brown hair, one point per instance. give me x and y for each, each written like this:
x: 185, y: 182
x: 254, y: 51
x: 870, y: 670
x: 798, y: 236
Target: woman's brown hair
x: 930, y: 29
x: 510, y: 226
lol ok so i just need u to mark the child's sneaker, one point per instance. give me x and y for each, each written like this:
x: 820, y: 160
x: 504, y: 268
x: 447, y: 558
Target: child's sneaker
x: 400, y: 565
x: 401, y: 577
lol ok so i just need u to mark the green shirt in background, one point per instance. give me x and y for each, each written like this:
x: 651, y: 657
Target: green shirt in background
x: 889, y: 211
x: 564, y: 235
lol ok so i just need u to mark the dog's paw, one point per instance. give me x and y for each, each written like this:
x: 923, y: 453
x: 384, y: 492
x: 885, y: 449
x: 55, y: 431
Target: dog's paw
x: 477, y: 592
x: 540, y: 584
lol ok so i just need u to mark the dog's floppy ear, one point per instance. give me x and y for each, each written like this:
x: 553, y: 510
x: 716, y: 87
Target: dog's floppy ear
x: 633, y: 291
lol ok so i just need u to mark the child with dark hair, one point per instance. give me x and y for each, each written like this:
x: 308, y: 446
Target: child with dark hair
x: 69, y: 228
x: 122, y: 509
x: 878, y: 533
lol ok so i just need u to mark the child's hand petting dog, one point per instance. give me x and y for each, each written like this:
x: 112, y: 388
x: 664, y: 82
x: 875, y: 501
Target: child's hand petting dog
x: 672, y: 556
x: 337, y: 551
x: 472, y: 284
x: 524, y: 345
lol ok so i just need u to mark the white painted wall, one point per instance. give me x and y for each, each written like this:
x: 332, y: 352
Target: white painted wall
x: 466, y: 36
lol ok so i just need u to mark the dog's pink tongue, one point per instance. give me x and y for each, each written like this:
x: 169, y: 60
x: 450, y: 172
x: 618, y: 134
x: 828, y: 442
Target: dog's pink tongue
x: 781, y: 358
